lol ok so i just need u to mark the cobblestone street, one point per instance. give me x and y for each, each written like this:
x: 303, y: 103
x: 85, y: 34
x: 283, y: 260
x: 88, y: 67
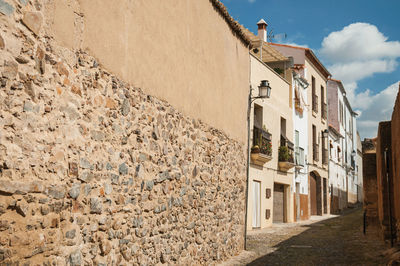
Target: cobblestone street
x: 336, y: 240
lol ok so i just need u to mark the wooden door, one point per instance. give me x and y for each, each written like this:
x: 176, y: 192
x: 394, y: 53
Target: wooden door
x: 313, y: 194
x: 279, y: 203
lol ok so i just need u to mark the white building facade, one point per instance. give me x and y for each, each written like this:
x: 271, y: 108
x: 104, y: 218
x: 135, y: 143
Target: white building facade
x: 300, y: 120
x: 343, y: 178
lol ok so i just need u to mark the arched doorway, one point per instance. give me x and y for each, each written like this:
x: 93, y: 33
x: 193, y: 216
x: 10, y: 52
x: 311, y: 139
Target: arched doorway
x: 315, y: 193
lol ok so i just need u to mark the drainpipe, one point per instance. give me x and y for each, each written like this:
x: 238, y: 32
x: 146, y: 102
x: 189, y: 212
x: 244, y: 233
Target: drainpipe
x: 386, y: 156
x: 248, y: 154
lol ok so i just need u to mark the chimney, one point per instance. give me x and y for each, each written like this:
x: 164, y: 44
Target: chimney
x: 262, y: 30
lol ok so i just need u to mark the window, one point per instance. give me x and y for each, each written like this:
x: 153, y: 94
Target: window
x: 314, y: 96
x: 299, y: 152
x: 315, y: 144
x: 324, y: 111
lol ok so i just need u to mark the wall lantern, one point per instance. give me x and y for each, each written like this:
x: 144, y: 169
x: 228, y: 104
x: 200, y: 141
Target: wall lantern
x: 325, y: 133
x: 264, y: 89
x: 353, y: 153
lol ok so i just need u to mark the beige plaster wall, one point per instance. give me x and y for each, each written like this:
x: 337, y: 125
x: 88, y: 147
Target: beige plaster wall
x: 315, y: 119
x: 273, y: 109
x: 180, y: 51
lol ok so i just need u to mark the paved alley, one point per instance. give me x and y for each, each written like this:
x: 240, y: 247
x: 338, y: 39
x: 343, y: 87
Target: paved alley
x: 336, y: 240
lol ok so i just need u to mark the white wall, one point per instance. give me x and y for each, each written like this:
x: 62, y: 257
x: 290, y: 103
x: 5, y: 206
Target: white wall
x: 301, y: 125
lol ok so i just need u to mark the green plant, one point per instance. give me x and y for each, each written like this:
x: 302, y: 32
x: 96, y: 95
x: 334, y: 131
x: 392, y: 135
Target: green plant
x: 266, y: 147
x: 284, y: 154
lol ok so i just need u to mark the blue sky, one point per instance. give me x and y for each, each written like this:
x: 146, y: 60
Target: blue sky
x: 358, y: 41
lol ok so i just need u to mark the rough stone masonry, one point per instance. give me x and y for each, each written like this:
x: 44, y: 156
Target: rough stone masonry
x: 95, y: 172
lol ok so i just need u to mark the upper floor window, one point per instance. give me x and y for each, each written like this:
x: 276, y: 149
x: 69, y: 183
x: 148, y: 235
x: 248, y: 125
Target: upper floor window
x: 314, y: 96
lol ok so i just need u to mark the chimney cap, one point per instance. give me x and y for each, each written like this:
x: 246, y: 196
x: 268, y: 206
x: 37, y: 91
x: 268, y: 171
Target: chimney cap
x: 261, y: 22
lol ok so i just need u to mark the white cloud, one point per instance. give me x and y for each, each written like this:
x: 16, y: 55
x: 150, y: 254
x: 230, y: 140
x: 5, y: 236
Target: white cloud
x: 359, y: 51
x: 358, y: 70
x: 358, y: 42
x: 374, y: 108
x: 356, y: 52
x: 251, y: 1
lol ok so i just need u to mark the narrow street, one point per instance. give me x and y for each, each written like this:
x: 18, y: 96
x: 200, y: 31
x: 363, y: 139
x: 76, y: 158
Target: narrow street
x: 338, y: 240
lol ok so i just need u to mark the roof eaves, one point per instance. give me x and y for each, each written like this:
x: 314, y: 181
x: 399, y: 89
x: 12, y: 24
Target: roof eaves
x: 233, y: 24
x: 322, y: 68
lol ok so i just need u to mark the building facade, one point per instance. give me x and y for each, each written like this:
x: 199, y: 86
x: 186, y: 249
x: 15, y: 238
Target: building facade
x: 271, y: 179
x: 300, y: 88
x: 343, y: 164
x: 311, y: 69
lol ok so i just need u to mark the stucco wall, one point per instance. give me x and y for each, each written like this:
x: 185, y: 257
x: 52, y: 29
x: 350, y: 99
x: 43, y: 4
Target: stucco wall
x: 396, y: 161
x: 333, y: 104
x: 273, y: 109
x: 180, y: 51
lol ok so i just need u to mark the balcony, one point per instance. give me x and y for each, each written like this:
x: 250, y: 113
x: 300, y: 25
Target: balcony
x: 324, y: 156
x: 299, y: 157
x: 315, y: 152
x: 324, y: 113
x: 261, y: 152
x: 315, y: 103
x: 286, y: 160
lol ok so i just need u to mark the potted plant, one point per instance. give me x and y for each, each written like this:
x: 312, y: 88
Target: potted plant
x: 255, y: 149
x: 266, y: 147
x: 285, y: 159
x: 284, y: 154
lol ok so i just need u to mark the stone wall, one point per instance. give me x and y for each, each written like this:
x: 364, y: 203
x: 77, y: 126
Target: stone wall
x: 93, y: 171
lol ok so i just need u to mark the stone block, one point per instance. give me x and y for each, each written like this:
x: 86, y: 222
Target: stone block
x: 6, y: 8
x: 33, y: 20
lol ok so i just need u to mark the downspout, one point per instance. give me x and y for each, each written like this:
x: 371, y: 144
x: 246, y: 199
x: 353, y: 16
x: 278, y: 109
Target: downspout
x: 389, y: 195
x: 248, y: 153
x: 329, y: 154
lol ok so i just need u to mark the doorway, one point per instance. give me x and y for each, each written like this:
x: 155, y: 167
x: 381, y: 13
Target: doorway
x: 313, y: 193
x: 297, y: 201
x: 279, y: 203
x: 256, y: 204
x: 325, y: 196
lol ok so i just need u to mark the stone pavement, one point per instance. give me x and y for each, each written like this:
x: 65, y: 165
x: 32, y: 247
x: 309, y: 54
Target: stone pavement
x: 326, y: 240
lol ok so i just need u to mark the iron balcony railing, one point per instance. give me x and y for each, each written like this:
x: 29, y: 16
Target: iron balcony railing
x: 262, y: 139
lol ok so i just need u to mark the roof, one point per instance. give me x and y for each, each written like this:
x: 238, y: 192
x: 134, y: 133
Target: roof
x: 311, y: 56
x: 344, y: 96
x: 233, y: 24
x: 340, y: 84
x: 269, y: 54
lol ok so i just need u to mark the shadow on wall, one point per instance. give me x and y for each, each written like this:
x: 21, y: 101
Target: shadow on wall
x: 336, y: 241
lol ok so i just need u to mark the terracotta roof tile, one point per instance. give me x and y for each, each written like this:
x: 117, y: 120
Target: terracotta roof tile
x: 269, y: 54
